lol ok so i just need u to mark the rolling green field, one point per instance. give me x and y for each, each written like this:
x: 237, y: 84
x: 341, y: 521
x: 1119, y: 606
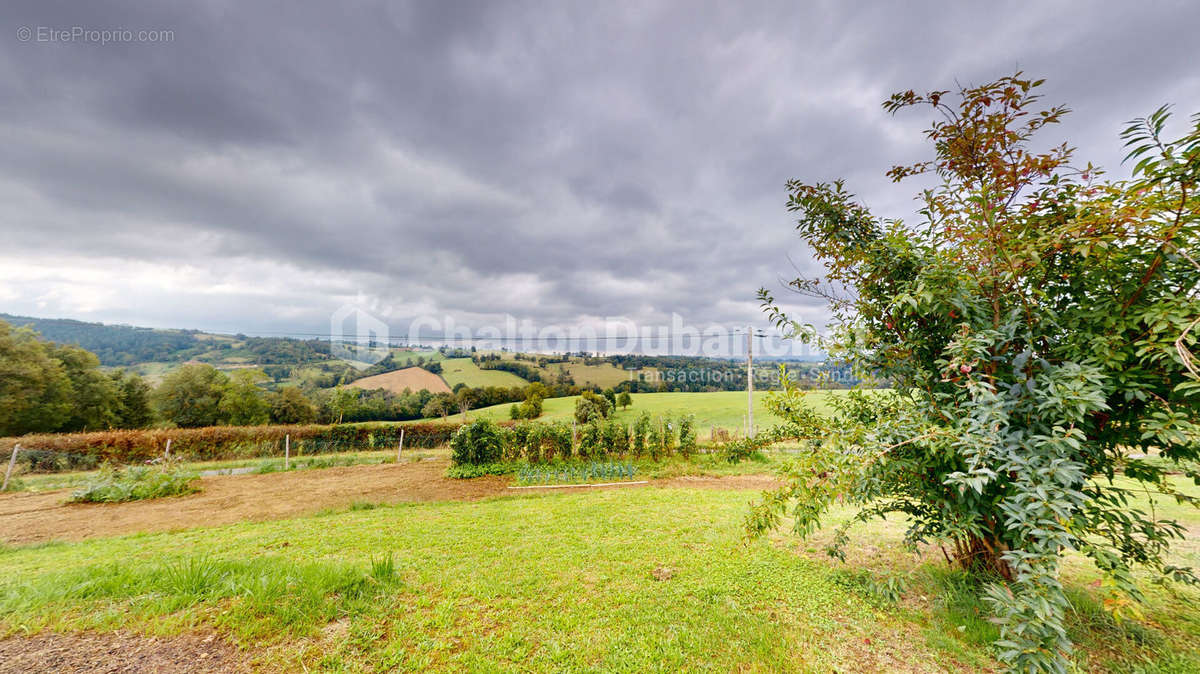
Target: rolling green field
x: 464, y: 371
x: 622, y: 580
x: 723, y: 409
x: 604, y: 376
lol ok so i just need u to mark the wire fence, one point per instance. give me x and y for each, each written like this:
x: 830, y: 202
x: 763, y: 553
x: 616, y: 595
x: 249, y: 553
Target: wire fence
x: 32, y: 466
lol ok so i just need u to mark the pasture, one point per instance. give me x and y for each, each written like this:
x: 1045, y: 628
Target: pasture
x: 722, y: 409
x: 655, y: 578
x: 464, y: 371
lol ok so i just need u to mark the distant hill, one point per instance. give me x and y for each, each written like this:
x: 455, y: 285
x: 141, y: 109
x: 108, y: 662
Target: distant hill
x: 117, y: 344
x: 125, y: 345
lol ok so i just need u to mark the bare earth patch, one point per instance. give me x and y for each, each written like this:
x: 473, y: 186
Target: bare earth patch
x: 411, y: 378
x: 227, y: 499
x: 115, y: 652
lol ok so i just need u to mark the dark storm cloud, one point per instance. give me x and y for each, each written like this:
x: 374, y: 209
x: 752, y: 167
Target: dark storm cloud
x: 555, y: 161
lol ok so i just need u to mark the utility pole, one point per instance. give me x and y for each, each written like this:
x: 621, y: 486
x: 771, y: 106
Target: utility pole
x: 750, y: 381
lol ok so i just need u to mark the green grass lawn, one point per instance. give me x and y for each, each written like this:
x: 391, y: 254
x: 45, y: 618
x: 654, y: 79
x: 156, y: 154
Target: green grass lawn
x: 725, y: 409
x: 465, y: 371
x: 560, y: 582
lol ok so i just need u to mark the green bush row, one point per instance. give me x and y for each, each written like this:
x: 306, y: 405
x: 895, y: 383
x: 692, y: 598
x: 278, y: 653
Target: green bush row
x: 485, y: 442
x: 224, y: 442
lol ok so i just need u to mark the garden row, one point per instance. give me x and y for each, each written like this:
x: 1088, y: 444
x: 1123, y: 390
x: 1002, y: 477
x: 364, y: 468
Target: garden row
x: 485, y: 442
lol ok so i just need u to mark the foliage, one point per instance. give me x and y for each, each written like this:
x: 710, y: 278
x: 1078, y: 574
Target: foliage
x: 616, y: 436
x: 34, y: 388
x: 591, y: 407
x: 1035, y: 329
x: 242, y: 403
x: 190, y: 396
x: 226, y: 442
x: 290, y: 406
x: 641, y: 432
x: 575, y: 473
x: 115, y: 344
x: 133, y: 406
x: 687, y: 434
x: 591, y: 439
x: 467, y: 471
x: 53, y: 387
x: 531, y: 408
x: 477, y: 443
x: 136, y: 483
x: 522, y: 370
x: 624, y: 400
x: 441, y: 405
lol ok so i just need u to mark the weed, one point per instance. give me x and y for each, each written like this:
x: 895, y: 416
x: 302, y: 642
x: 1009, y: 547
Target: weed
x: 135, y: 484
x: 383, y: 569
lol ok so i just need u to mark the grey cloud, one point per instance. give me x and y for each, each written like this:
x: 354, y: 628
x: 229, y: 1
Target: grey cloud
x: 552, y: 161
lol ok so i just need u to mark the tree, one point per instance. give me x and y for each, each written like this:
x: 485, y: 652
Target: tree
x: 134, y: 409
x: 624, y: 400
x: 242, y: 402
x: 1036, y: 329
x: 466, y: 399
x: 190, y: 396
x: 343, y: 402
x: 35, y: 393
x: 441, y: 405
x: 94, y: 398
x: 590, y: 406
x: 290, y: 406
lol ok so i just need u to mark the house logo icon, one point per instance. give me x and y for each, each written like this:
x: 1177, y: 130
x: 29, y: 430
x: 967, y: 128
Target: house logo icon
x: 361, y: 344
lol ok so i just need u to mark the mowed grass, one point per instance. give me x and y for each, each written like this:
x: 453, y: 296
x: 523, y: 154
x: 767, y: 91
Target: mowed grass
x: 723, y: 409
x: 624, y: 580
x: 465, y: 371
x: 540, y: 583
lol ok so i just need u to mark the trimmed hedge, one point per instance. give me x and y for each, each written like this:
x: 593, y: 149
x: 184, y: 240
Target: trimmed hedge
x: 233, y: 442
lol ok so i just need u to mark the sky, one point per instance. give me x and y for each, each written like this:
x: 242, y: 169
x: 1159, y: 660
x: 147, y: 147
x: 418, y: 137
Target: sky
x: 254, y: 167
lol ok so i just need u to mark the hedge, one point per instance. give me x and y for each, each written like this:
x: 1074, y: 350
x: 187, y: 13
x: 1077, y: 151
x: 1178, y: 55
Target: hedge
x: 233, y: 442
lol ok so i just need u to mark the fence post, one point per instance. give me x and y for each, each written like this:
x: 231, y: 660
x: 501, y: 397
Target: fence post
x: 287, y: 450
x: 167, y: 451
x: 11, y: 462
x: 400, y: 447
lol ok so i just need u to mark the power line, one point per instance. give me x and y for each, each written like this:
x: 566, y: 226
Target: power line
x: 511, y: 338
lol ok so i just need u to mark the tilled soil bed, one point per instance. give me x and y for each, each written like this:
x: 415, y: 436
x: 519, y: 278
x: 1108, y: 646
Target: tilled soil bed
x: 227, y: 499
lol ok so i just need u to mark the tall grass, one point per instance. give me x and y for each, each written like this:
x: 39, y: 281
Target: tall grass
x: 262, y: 595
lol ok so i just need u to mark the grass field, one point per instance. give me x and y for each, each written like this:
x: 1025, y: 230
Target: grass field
x: 724, y: 409
x: 604, y: 376
x: 465, y: 371
x: 623, y: 580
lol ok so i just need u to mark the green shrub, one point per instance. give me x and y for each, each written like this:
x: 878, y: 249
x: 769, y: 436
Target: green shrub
x: 687, y: 435
x: 135, y: 484
x: 477, y: 443
x: 217, y: 443
x: 616, y: 437
x: 467, y: 471
x: 641, y: 429
x: 591, y: 439
x: 522, y: 437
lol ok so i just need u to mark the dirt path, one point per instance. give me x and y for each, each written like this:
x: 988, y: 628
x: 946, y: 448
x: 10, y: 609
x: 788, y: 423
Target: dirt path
x: 114, y: 652
x: 226, y: 499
